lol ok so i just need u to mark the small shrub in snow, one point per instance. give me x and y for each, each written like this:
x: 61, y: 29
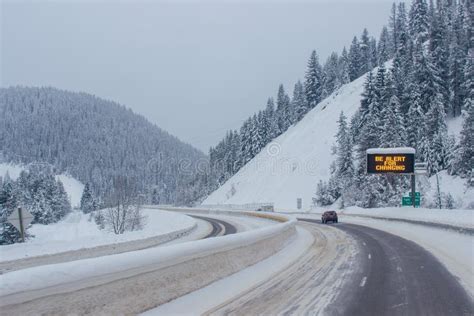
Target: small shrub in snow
x: 449, y: 202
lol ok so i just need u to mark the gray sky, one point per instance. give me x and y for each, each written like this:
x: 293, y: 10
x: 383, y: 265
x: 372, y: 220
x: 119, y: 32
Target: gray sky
x: 194, y: 68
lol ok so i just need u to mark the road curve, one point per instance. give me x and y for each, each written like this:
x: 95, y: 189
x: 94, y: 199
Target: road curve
x: 395, y: 276
x: 219, y: 227
x: 355, y: 270
x: 402, y: 278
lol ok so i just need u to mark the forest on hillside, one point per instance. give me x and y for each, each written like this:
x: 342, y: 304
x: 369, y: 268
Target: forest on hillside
x: 95, y: 141
x: 424, y: 76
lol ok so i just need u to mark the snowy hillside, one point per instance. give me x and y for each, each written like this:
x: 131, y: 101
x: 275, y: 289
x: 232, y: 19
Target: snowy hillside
x: 72, y: 186
x: 290, y: 167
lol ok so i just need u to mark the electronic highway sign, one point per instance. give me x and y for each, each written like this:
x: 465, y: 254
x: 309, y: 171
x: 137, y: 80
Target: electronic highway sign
x: 391, y: 160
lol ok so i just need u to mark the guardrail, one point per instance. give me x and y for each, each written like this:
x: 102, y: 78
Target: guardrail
x: 269, y: 207
x: 130, y: 283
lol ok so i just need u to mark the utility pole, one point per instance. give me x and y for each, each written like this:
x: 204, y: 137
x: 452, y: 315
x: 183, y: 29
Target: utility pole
x: 413, y: 190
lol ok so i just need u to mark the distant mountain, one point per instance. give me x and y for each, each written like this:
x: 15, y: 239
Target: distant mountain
x: 95, y: 140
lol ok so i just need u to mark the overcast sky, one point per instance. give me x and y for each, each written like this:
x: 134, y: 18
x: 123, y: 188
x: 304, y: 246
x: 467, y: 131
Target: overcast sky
x: 195, y: 68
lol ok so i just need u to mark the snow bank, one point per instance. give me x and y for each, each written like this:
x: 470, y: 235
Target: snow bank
x: 459, y: 218
x: 72, y: 186
x: 201, y: 301
x: 195, y: 264
x: 78, y: 231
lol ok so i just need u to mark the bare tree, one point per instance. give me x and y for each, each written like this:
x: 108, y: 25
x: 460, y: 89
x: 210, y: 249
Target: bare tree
x: 124, y: 206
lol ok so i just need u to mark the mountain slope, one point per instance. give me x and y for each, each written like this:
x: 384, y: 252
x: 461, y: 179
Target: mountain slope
x: 290, y: 167
x: 93, y: 140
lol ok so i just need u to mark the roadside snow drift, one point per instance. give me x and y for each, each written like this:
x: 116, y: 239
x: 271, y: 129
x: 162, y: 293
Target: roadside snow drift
x: 78, y: 231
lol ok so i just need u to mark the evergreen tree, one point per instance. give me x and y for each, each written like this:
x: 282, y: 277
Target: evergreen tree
x: 384, y: 47
x: 365, y: 54
x: 87, y: 200
x: 344, y: 76
x: 344, y: 168
x: 419, y: 23
x: 393, y: 132
x: 283, y: 110
x: 273, y: 130
x: 465, y: 152
x: 8, y: 233
x: 313, y: 81
x: 332, y: 77
x: 355, y: 60
x: 299, y: 103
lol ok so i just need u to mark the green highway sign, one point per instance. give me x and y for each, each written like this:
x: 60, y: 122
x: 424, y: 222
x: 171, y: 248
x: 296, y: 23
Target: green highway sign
x: 417, y: 194
x: 406, y: 201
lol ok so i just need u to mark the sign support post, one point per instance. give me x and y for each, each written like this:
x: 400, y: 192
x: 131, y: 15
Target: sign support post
x: 20, y: 219
x: 22, y: 228
x: 413, y: 189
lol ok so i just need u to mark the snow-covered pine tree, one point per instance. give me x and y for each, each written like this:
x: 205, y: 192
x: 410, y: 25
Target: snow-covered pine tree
x: 272, y: 121
x: 368, y: 95
x: 313, y: 80
x: 384, y: 48
x: 393, y: 28
x: 419, y: 23
x: 456, y: 64
x: 374, y: 54
x: 464, y: 161
x: 364, y: 48
x: 344, y: 168
x: 299, y: 103
x: 283, y: 110
x: 344, y: 67
x: 331, y: 70
x: 8, y: 233
x: 356, y: 60
x: 439, y: 55
x: 393, y: 132
x: 87, y: 200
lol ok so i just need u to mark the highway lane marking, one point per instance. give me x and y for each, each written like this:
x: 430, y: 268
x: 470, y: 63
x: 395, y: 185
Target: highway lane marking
x: 370, y: 256
x: 362, y: 283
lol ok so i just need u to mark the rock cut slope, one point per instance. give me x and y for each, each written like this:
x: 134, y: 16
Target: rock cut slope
x: 291, y: 166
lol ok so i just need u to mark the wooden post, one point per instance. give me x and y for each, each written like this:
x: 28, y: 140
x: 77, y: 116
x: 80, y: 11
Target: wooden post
x: 22, y: 229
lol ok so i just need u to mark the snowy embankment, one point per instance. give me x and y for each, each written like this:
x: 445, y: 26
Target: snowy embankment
x: 454, y: 218
x: 72, y: 186
x: 79, y: 231
x: 195, y: 264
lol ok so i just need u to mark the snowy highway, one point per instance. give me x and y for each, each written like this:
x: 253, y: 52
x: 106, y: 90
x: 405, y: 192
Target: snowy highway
x: 356, y: 270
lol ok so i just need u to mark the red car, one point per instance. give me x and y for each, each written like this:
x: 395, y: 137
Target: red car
x: 329, y: 216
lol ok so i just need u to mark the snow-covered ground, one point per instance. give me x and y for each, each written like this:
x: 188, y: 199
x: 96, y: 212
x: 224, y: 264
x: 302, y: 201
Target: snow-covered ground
x: 77, y: 231
x: 72, y: 186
